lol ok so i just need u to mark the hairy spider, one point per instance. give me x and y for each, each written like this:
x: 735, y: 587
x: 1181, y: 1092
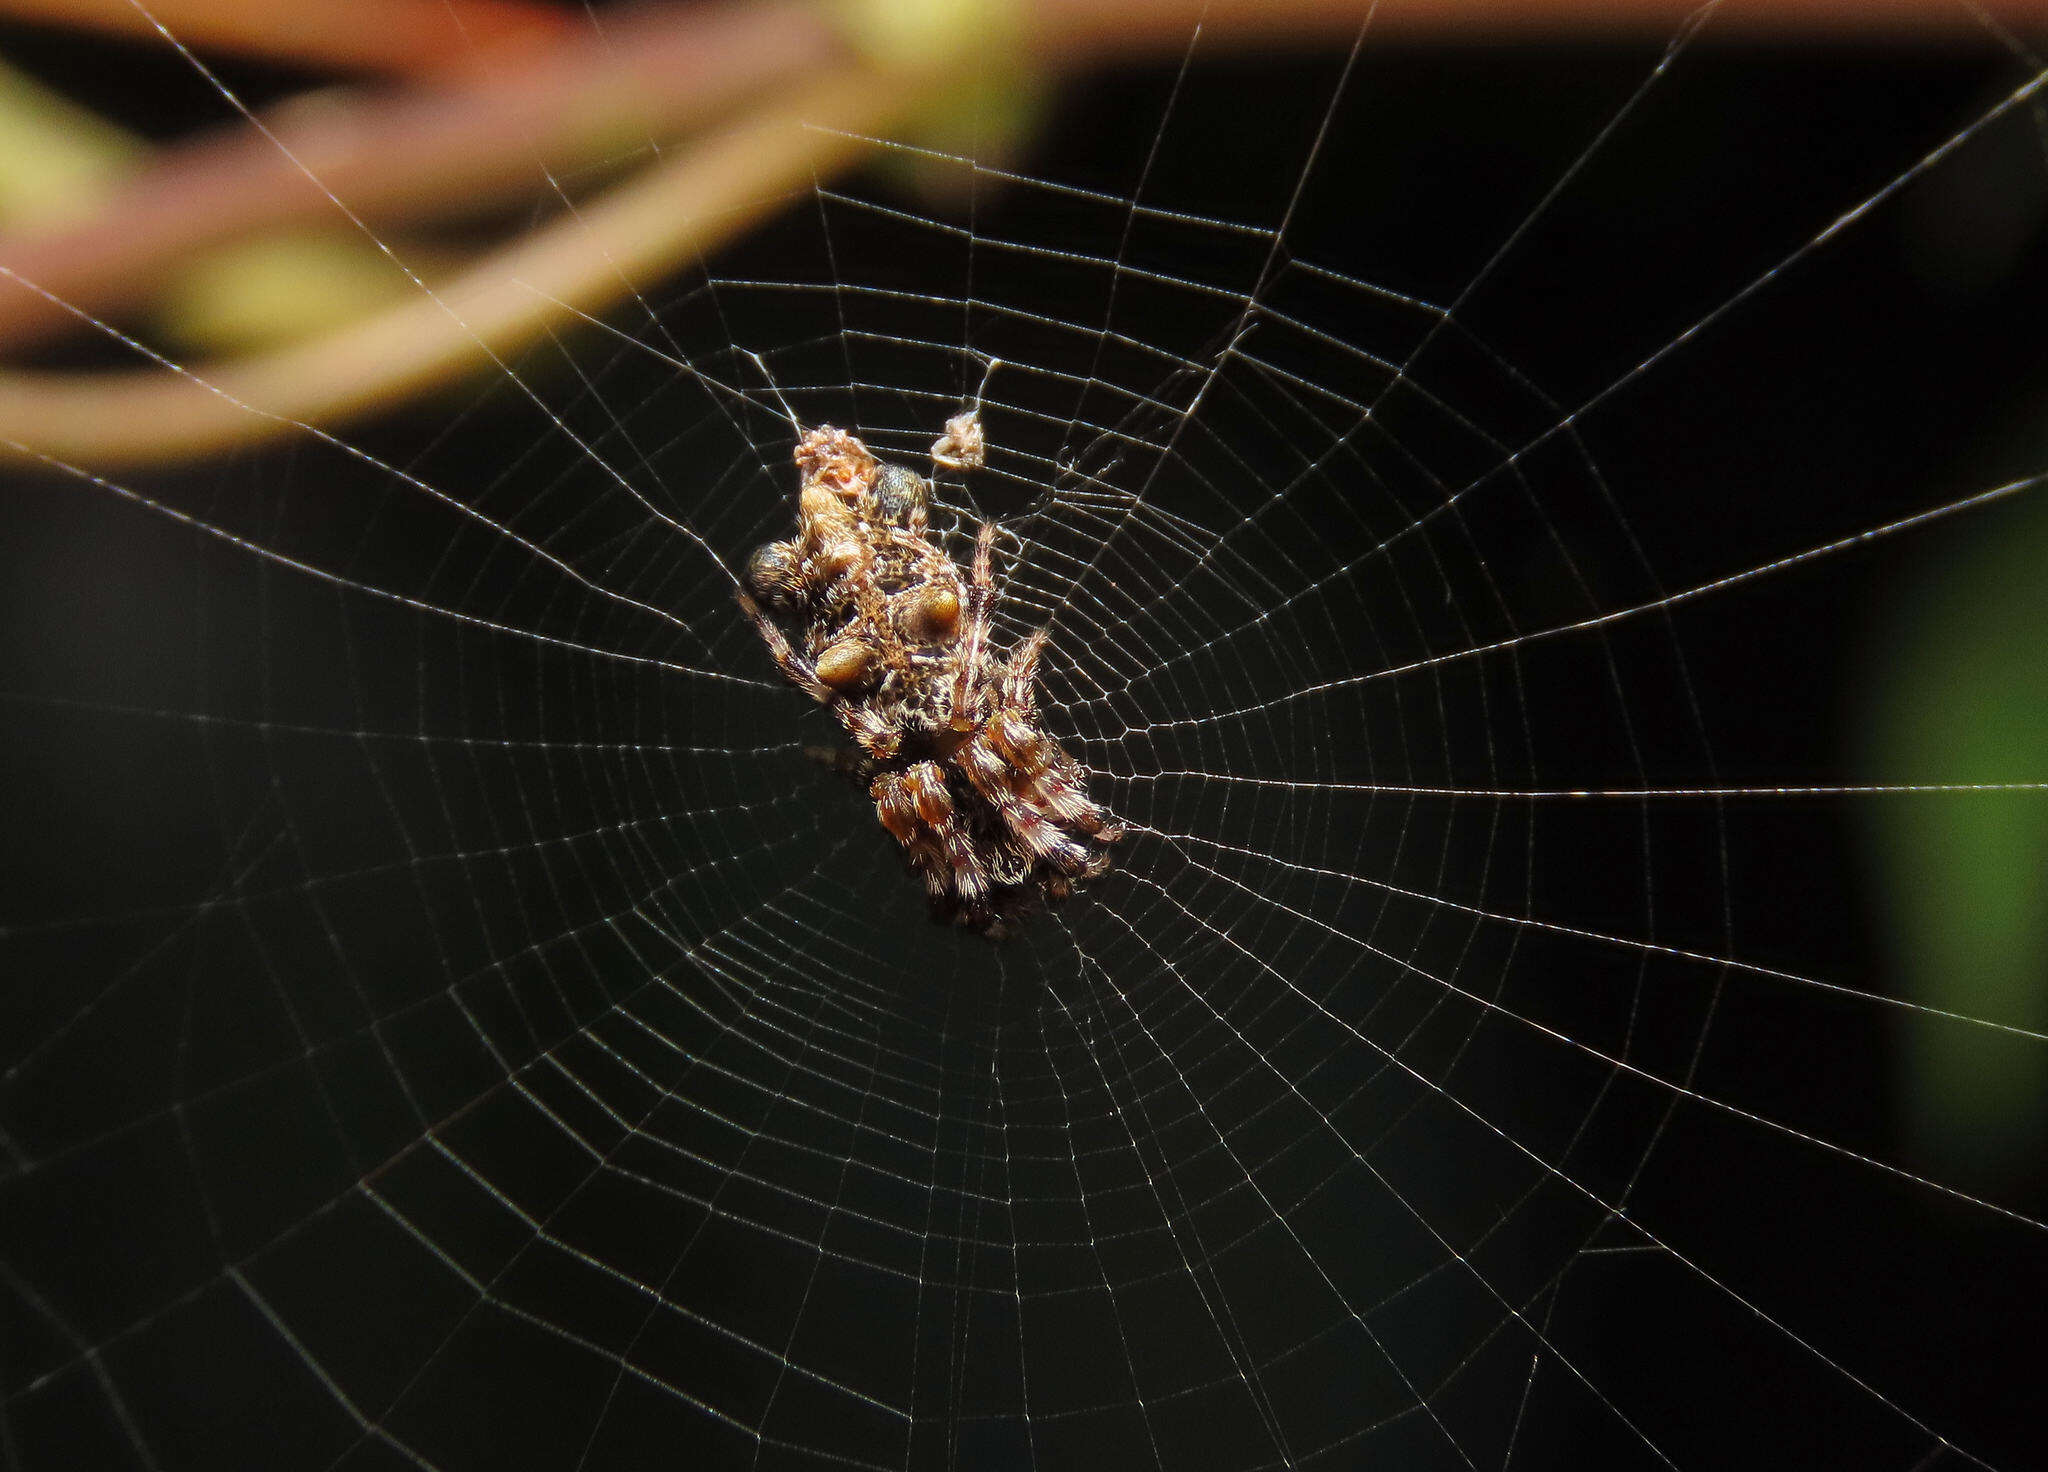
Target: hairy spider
x: 896, y: 643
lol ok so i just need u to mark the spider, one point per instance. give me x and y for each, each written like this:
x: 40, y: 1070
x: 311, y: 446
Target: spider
x: 890, y: 637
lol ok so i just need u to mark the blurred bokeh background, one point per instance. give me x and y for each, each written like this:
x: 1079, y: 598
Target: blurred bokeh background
x: 268, y: 271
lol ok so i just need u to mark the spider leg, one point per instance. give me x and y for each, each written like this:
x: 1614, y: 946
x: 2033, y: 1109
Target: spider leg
x: 974, y: 631
x: 918, y: 811
x: 1043, y: 775
x: 1020, y: 680
x: 984, y: 556
x: 794, y: 667
x: 869, y: 729
x: 1036, y: 832
x: 857, y: 764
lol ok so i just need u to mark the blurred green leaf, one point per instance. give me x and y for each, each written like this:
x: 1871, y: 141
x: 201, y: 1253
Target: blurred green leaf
x: 1963, y: 698
x: 58, y: 160
x: 279, y: 288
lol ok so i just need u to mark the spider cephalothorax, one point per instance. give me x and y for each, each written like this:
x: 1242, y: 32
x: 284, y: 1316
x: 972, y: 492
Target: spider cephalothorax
x: 889, y: 636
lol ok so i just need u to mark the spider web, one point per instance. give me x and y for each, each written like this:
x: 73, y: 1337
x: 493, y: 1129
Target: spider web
x: 451, y: 1022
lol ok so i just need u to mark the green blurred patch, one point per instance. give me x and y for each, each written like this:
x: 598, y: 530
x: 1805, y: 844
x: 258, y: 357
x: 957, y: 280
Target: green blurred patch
x: 983, y: 99
x: 58, y: 161
x: 1962, y: 697
x: 278, y: 288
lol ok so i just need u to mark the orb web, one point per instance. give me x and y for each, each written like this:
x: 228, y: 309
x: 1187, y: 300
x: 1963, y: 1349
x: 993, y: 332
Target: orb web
x: 455, y: 1023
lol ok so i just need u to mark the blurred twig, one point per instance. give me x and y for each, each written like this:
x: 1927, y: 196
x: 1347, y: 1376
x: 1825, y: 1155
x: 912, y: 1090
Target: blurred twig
x: 397, y: 36
x: 414, y: 154
x: 793, y: 79
x: 651, y: 224
x: 62, y: 161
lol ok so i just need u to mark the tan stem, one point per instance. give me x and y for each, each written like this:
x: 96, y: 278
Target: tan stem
x: 399, y: 36
x: 644, y: 75
x: 424, y: 152
x: 584, y: 261
x: 658, y: 71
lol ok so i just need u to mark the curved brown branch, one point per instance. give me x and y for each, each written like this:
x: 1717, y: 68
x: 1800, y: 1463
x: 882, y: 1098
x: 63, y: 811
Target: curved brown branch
x: 416, y: 153
x: 397, y: 36
x: 654, y: 223
x: 642, y: 78
x: 652, y: 74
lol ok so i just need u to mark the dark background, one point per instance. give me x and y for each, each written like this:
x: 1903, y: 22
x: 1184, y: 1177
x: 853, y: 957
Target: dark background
x: 1880, y: 374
